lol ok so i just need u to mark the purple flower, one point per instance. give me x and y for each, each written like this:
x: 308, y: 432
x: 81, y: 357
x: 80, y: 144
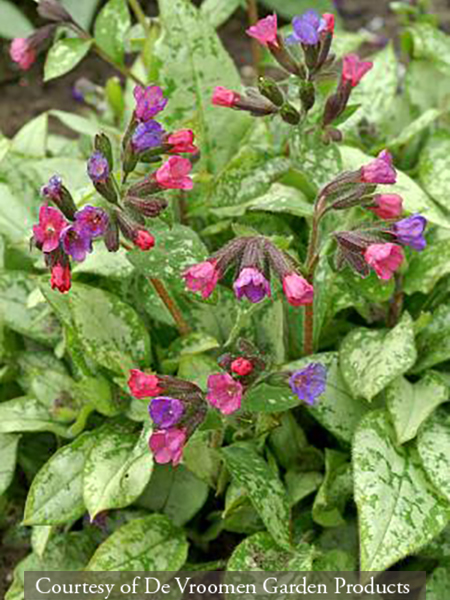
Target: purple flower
x: 98, y: 167
x: 309, y: 383
x: 52, y: 190
x: 149, y: 101
x: 166, y: 412
x: 307, y: 29
x: 75, y: 242
x: 252, y: 284
x: 91, y: 221
x: 224, y: 393
x: 147, y: 135
x: 409, y: 232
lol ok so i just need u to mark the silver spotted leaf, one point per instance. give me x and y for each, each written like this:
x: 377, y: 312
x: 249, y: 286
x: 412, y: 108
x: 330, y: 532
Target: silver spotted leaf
x: 434, y: 449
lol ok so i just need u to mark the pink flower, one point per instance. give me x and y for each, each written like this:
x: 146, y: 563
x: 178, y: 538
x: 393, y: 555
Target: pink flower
x: 297, y: 290
x: 242, y: 366
x: 61, y: 279
x: 182, y: 141
x: 143, y: 385
x: 202, y: 277
x: 328, y: 19
x: 173, y: 174
x: 380, y: 170
x: 387, y: 206
x: 224, y: 393
x: 167, y: 445
x: 224, y: 97
x: 47, y: 232
x: 143, y: 239
x: 22, y: 53
x: 265, y: 31
x: 384, y: 259
x: 354, y: 69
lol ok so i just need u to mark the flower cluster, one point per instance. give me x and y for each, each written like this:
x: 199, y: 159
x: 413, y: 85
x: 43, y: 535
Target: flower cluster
x: 65, y: 233
x: 255, y: 258
x: 314, y: 34
x: 376, y: 245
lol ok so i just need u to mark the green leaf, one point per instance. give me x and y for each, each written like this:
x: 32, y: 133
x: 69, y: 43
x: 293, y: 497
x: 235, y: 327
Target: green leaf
x: 434, y: 445
x: 372, y: 359
x: 40, y: 537
x: 31, y: 139
x: 219, y: 11
x: 411, y: 404
x: 433, y: 341
x: 177, y: 249
x: 36, y: 322
x: 269, y: 399
x: 8, y: 454
x: 438, y: 584
x: 64, y: 56
x: 259, y: 552
x: 263, y: 487
x: 399, y: 510
x: 415, y: 200
x: 318, y: 162
x: 56, y: 493
x: 14, y: 24
x: 111, y: 27
x: 81, y: 10
x: 282, y: 199
x: 201, y: 459
x: 434, y: 165
x: 117, y: 468
x: 417, y: 126
x: 191, y: 66
x: 152, y: 544
x: 336, y: 489
x: 110, y: 332
x: 176, y: 492
x: 431, y: 44
x: 426, y: 268
x: 27, y: 414
x: 301, y: 484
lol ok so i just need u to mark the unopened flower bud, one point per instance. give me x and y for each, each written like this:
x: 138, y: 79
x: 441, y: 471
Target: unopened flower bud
x: 111, y: 237
x: 269, y: 88
x: 52, y: 10
x: 307, y: 95
x: 151, y: 207
x: 103, y: 145
x: 289, y: 114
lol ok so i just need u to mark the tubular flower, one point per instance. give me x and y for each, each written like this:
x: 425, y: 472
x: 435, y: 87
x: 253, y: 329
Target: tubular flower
x: 387, y: 206
x: 143, y: 385
x: 252, y: 284
x: 225, y: 97
x: 380, y: 170
x: 91, y: 221
x: 147, y: 135
x: 309, y: 383
x: 22, y: 53
x: 174, y: 174
x: 297, y: 290
x: 98, y: 167
x: 149, y: 102
x: 354, y: 69
x: 265, y: 31
x: 76, y: 242
x: 167, y: 445
x: 409, y: 232
x: 61, y: 279
x: 48, y: 231
x: 307, y: 29
x: 166, y: 412
x: 384, y: 259
x: 224, y: 393
x: 202, y: 277
x: 182, y: 141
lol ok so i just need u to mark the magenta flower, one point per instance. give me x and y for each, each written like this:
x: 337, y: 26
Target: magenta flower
x: 252, y: 284
x: 182, y: 141
x: 309, y: 383
x: 202, y: 277
x: 61, y: 279
x: 265, y: 31
x: 297, y: 290
x: 174, y: 174
x: 242, y: 366
x: 143, y: 385
x: 224, y: 393
x: 384, y: 259
x: 48, y: 231
x: 307, y: 29
x: 354, y: 69
x: 76, y: 242
x: 98, y: 167
x: 146, y: 136
x: 387, y: 206
x: 225, y: 97
x: 53, y: 189
x: 329, y: 21
x: 380, y: 170
x: 92, y: 221
x: 149, y: 102
x: 167, y: 445
x: 143, y: 239
x: 166, y: 412
x: 409, y: 232
x: 22, y: 53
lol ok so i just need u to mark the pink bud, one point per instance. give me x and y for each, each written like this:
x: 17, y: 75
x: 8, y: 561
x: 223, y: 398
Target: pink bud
x: 167, y: 445
x: 297, y: 290
x: 328, y: 18
x: 61, y: 279
x: 21, y: 53
x: 174, y: 174
x: 202, y: 277
x: 143, y: 239
x: 380, y: 170
x: 354, y: 69
x: 265, y: 31
x: 384, y: 259
x: 224, y: 393
x: 242, y: 366
x: 143, y: 385
x: 387, y: 206
x: 182, y: 141
x: 224, y: 97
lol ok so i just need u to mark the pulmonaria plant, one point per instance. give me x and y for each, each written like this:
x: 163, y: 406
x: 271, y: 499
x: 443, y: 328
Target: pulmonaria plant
x: 66, y: 233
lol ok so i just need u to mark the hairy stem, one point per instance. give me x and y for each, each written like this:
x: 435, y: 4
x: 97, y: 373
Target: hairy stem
x: 253, y: 17
x: 162, y: 292
x: 139, y: 14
